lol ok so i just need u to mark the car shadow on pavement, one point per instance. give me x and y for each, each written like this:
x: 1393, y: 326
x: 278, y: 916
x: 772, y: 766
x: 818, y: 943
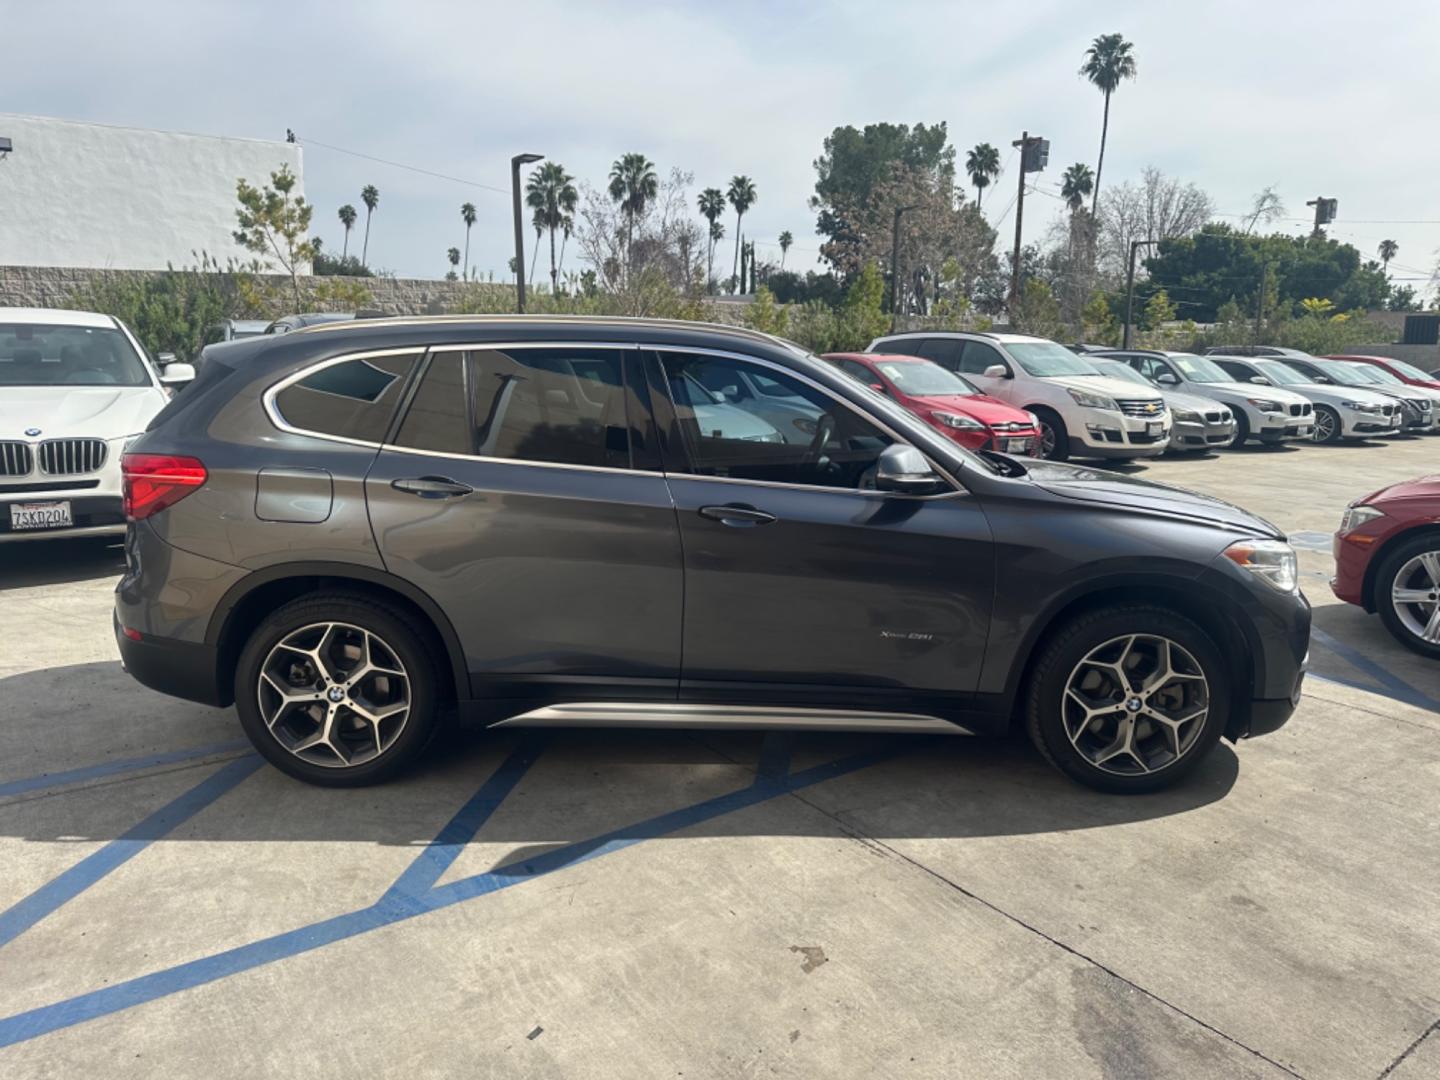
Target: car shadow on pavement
x: 1350, y: 645
x: 580, y: 784
x: 60, y: 561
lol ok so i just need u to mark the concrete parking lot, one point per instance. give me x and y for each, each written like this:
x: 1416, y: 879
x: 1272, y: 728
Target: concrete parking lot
x: 647, y: 904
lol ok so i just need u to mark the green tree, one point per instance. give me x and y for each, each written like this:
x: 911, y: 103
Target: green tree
x: 1159, y: 310
x: 785, y: 241
x: 862, y: 315
x: 633, y: 185
x: 1077, y: 182
x: 1388, y: 250
x: 272, y: 224
x: 1108, y: 62
x: 1038, y: 312
x: 551, y: 194
x: 712, y: 205
x: 1098, y: 322
x: 454, y: 256
x: 983, y: 166
x: 467, y: 215
x: 370, y: 196
x: 854, y: 162
x: 741, y: 194
x: 1402, y: 298
x: 766, y: 315
x: 347, y: 219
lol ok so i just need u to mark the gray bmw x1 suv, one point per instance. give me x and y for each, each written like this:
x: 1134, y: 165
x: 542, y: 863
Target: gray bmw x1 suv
x: 352, y: 531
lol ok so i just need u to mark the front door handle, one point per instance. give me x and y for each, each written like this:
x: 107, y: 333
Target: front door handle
x: 432, y: 487
x: 737, y: 515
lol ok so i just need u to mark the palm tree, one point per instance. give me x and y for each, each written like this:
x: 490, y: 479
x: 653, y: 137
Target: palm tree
x: 1388, y: 250
x: 712, y: 205
x: 347, y: 218
x: 550, y: 193
x: 371, y: 198
x: 454, y: 256
x: 537, y: 220
x: 717, y: 233
x: 567, y: 226
x: 1108, y: 62
x: 634, y: 185
x: 742, y: 196
x: 1075, y: 184
x: 467, y: 215
x: 983, y: 165
x: 785, y: 241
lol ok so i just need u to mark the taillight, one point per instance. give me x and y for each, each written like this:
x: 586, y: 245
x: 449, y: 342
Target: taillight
x: 154, y: 481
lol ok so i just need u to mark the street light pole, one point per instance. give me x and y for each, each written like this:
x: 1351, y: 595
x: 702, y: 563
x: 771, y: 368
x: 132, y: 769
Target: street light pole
x: 895, y: 268
x: 515, y: 163
x: 1135, y: 245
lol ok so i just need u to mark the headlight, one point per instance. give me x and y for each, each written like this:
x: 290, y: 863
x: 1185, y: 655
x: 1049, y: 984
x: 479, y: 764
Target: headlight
x: 1094, y: 401
x: 1185, y: 415
x: 952, y: 420
x: 1355, y: 516
x: 1034, y: 420
x: 1265, y: 404
x: 1271, y: 560
x: 1362, y: 406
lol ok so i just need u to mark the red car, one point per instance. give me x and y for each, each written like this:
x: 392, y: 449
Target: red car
x: 945, y: 401
x: 1406, y: 373
x: 1387, y: 559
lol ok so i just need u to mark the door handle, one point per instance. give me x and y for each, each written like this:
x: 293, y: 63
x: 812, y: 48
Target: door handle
x: 432, y: 487
x: 737, y: 516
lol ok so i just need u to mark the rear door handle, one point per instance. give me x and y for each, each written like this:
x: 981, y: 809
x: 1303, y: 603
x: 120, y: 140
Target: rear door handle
x: 432, y: 487
x: 737, y: 516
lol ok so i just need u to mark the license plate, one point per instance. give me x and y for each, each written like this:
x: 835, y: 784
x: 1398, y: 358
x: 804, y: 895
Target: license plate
x: 1017, y: 446
x: 1304, y: 430
x: 1154, y: 428
x: 1395, y: 421
x: 45, y: 515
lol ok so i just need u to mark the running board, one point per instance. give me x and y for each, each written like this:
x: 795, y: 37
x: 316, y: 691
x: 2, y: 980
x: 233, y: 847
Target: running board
x: 734, y: 717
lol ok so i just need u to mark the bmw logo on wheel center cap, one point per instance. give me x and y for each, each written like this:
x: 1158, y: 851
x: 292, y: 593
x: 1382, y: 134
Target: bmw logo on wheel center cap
x: 336, y: 694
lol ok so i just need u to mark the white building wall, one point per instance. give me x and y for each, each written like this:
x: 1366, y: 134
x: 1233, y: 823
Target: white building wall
x: 90, y: 195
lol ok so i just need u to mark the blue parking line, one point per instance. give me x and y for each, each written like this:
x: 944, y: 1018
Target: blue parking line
x: 1397, y: 687
x: 89, y: 870
x: 112, y: 768
x: 398, y: 905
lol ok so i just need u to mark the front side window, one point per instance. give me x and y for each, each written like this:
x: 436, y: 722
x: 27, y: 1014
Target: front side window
x: 1237, y: 370
x: 978, y: 356
x: 354, y: 399
x: 803, y: 437
x: 47, y: 354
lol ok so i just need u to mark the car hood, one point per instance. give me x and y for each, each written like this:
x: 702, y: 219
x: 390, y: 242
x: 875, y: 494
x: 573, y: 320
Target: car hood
x: 1332, y: 395
x: 1177, y: 399
x: 98, y: 412
x: 1424, y: 487
x: 1109, y: 387
x: 1251, y: 390
x: 986, y: 409
x: 1143, y: 496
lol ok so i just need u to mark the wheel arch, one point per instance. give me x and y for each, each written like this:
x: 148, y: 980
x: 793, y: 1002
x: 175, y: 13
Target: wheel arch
x: 1377, y: 559
x: 249, y: 600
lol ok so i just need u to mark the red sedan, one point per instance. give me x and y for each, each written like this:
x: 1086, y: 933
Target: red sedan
x: 945, y: 401
x: 1387, y: 559
x: 1406, y: 373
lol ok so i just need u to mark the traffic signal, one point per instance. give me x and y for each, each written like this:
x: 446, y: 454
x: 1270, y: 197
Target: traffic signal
x: 1036, y: 154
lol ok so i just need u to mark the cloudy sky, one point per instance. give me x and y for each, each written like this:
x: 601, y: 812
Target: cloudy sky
x: 1314, y: 97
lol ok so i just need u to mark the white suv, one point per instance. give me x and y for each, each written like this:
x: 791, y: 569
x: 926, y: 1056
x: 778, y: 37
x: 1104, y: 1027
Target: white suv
x: 1081, y: 412
x: 75, y: 387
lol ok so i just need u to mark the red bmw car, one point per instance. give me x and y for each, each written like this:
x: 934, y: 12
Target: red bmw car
x: 945, y: 401
x: 1387, y: 559
x: 1406, y: 373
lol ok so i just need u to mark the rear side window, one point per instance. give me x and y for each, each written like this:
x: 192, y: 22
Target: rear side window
x: 354, y: 399
x: 900, y: 346
x: 439, y: 415
x: 944, y: 351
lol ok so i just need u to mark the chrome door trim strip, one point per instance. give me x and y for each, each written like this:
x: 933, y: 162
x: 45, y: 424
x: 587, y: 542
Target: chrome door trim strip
x: 731, y: 717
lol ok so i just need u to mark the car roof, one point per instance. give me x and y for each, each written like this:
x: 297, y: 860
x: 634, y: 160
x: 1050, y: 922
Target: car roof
x: 871, y: 357
x: 990, y: 335
x: 55, y: 316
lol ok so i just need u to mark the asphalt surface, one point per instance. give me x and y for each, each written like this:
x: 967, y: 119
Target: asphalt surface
x: 648, y: 904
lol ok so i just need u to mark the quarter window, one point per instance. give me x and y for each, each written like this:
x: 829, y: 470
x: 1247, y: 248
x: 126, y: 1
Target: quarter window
x: 355, y: 399
x: 802, y: 436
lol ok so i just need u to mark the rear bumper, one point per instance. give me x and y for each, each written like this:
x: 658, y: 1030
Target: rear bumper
x: 181, y: 669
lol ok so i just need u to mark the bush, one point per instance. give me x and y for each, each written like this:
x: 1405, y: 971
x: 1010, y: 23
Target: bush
x: 325, y: 265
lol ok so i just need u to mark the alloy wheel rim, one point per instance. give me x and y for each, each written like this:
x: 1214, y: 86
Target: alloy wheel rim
x: 334, y: 694
x: 1047, y: 440
x: 1135, y: 704
x: 1324, y: 426
x: 1415, y: 596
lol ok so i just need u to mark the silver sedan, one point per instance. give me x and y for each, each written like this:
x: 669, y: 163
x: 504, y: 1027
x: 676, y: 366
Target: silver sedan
x: 1198, y: 423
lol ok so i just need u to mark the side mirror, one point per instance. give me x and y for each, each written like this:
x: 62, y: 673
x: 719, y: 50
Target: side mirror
x: 165, y: 358
x: 1167, y: 378
x: 175, y: 373
x: 904, y: 469
x: 1260, y: 380
x: 730, y: 393
x: 997, y: 371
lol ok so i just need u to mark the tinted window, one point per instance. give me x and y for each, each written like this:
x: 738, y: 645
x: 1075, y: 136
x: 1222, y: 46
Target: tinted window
x: 439, y: 414
x: 944, y: 351
x: 804, y: 437
x: 859, y: 371
x: 560, y: 405
x: 978, y: 356
x: 355, y: 399
x: 1236, y: 370
x: 902, y: 346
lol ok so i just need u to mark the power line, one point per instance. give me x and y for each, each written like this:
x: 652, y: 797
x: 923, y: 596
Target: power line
x: 401, y: 165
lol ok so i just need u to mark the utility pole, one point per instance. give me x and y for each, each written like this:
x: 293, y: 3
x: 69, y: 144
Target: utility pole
x: 1135, y: 245
x: 1260, y: 299
x: 895, y: 268
x: 1034, y: 156
x: 1325, y: 210
x: 515, y: 163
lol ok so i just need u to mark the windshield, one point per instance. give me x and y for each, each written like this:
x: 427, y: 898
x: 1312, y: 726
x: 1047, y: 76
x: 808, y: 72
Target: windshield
x: 1198, y: 369
x: 1044, y: 359
x: 1410, y: 371
x: 1377, y: 376
x: 1117, y: 369
x: 1280, y: 373
x: 1346, y: 374
x: 44, y: 354
x: 923, y: 379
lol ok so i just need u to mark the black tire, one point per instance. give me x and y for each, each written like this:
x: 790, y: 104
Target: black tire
x: 1052, y: 426
x: 1062, y: 653
x: 1333, y: 418
x: 1242, y: 428
x: 398, y: 631
x: 1385, y: 574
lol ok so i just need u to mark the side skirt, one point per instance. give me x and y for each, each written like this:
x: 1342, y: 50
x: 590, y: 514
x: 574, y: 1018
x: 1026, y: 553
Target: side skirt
x: 619, y: 714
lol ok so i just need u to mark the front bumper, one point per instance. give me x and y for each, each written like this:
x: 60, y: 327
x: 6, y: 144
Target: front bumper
x: 93, y: 515
x: 1281, y: 427
x: 1359, y: 425
x: 1202, y: 435
x: 96, y: 507
x: 1103, y: 433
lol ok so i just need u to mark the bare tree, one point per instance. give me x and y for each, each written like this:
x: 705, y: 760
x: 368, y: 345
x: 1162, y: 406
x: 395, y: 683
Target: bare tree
x: 1266, y: 208
x: 660, y: 236
x: 1159, y: 207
